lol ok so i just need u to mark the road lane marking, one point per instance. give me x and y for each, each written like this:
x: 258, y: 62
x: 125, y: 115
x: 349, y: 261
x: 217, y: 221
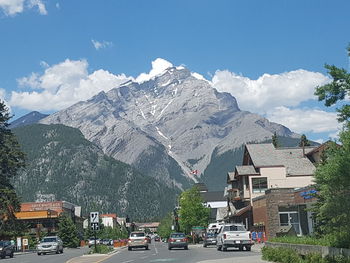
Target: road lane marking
x: 128, y: 261
x: 155, y: 248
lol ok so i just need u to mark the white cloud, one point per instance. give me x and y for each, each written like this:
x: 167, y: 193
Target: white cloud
x: 62, y: 85
x: 58, y: 5
x: 98, y: 45
x: 305, y: 120
x: 269, y: 91
x: 13, y: 7
x: 158, y: 67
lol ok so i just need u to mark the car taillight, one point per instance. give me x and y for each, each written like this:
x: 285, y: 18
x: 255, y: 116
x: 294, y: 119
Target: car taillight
x: 129, y: 240
x: 224, y: 236
x: 171, y: 240
x: 184, y: 240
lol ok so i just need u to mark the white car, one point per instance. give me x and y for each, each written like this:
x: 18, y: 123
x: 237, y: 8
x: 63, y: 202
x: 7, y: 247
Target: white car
x: 233, y: 235
x: 92, y: 241
x: 50, y: 244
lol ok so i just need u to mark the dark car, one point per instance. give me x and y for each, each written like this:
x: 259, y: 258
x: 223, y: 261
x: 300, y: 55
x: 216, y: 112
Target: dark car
x: 177, y: 240
x: 6, y: 249
x: 157, y: 239
x: 209, y: 239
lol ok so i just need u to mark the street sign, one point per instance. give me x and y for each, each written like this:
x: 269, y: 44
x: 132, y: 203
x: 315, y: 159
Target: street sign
x: 94, y: 226
x: 94, y: 218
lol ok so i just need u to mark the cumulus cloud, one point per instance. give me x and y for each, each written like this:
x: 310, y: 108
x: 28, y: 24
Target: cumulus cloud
x: 158, y: 67
x: 269, y: 91
x: 305, y: 120
x: 13, y: 7
x: 62, y: 85
x: 98, y: 44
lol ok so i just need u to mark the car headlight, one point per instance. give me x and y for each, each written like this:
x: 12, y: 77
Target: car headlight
x: 1, y: 248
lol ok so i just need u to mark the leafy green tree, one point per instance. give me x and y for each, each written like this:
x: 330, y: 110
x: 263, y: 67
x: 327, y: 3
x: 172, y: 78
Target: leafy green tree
x: 68, y: 232
x: 332, y: 177
x: 304, y: 141
x: 164, y: 229
x: 11, y: 161
x: 275, y: 140
x: 192, y: 212
x: 337, y: 90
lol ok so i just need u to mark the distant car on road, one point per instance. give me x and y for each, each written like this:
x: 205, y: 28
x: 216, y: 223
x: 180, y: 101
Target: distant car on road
x: 157, y: 239
x: 6, y: 249
x: 209, y: 239
x: 233, y: 235
x: 177, y: 240
x: 92, y: 242
x: 50, y: 244
x: 137, y: 240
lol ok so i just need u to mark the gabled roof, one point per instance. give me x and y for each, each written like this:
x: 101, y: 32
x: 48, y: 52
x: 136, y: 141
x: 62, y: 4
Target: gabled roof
x: 266, y: 155
x: 246, y: 170
x: 213, y: 196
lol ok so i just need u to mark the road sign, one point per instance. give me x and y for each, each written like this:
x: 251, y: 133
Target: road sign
x: 94, y: 218
x: 94, y: 226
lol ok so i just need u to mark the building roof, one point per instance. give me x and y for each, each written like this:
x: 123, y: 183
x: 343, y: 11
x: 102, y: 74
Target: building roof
x: 246, y: 170
x: 266, y: 155
x: 231, y: 176
x: 109, y: 215
x: 213, y: 196
x: 201, y: 187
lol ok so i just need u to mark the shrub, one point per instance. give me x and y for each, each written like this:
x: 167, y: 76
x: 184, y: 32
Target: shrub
x: 100, y: 249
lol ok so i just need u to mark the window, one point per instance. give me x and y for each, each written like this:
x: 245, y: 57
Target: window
x: 259, y: 185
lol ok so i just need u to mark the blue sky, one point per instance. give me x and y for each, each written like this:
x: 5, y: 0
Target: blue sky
x: 268, y: 54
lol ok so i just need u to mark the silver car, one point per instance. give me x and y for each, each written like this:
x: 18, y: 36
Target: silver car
x: 51, y: 244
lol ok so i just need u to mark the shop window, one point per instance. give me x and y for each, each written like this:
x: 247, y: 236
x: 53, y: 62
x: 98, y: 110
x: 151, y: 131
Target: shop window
x: 259, y: 185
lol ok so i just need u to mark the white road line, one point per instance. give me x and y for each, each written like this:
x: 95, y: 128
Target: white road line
x: 128, y: 261
x: 155, y: 248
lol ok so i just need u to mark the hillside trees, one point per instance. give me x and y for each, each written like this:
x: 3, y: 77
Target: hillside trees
x: 11, y: 161
x: 164, y: 229
x: 192, y: 212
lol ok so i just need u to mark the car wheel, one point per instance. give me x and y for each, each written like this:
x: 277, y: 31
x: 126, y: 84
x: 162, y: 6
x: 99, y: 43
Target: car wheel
x: 11, y: 255
x: 61, y: 251
x: 57, y: 251
x: 248, y: 248
x: 3, y: 256
x: 224, y: 248
x: 204, y: 245
x: 169, y: 248
x: 186, y: 247
x: 129, y: 248
x: 39, y: 254
x: 146, y: 248
x: 240, y: 248
x: 218, y: 248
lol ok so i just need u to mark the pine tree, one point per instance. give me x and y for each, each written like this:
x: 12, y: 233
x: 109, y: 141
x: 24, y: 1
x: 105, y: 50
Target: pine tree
x: 11, y: 161
x: 304, y: 141
x: 68, y: 231
x: 275, y: 140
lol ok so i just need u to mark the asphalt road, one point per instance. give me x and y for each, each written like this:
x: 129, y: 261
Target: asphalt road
x: 197, y: 253
x: 49, y: 258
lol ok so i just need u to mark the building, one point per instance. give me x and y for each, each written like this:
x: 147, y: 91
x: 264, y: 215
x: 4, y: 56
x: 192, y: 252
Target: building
x: 109, y: 220
x: 44, y: 216
x: 266, y: 168
x: 152, y: 226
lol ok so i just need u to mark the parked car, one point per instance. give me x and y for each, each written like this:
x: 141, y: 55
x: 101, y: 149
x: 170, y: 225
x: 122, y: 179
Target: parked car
x: 177, y: 240
x: 50, y: 244
x: 6, y: 249
x: 209, y: 239
x: 233, y: 235
x: 157, y: 239
x: 107, y: 242
x: 92, y: 242
x: 137, y: 240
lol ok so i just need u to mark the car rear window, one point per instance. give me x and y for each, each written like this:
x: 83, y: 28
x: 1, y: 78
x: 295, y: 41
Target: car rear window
x: 137, y: 234
x: 211, y: 235
x: 234, y: 228
x: 177, y: 235
x: 49, y: 239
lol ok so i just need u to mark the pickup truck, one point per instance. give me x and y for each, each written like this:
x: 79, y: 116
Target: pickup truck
x: 233, y: 235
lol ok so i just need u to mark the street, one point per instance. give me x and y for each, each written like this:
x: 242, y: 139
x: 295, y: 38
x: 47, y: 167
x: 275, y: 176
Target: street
x: 197, y: 253
x: 49, y: 258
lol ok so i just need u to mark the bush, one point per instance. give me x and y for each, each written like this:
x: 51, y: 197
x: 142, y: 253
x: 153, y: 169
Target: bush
x: 307, y: 240
x: 100, y: 249
x: 287, y: 255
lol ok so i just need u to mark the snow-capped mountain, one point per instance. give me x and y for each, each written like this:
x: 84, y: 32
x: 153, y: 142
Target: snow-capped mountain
x: 167, y: 126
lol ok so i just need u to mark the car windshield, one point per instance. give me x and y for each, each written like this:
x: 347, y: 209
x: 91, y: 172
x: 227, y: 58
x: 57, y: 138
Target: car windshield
x: 177, y: 235
x: 234, y: 228
x: 137, y: 234
x: 49, y: 239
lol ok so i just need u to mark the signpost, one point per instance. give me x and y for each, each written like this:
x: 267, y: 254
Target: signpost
x: 94, y: 223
